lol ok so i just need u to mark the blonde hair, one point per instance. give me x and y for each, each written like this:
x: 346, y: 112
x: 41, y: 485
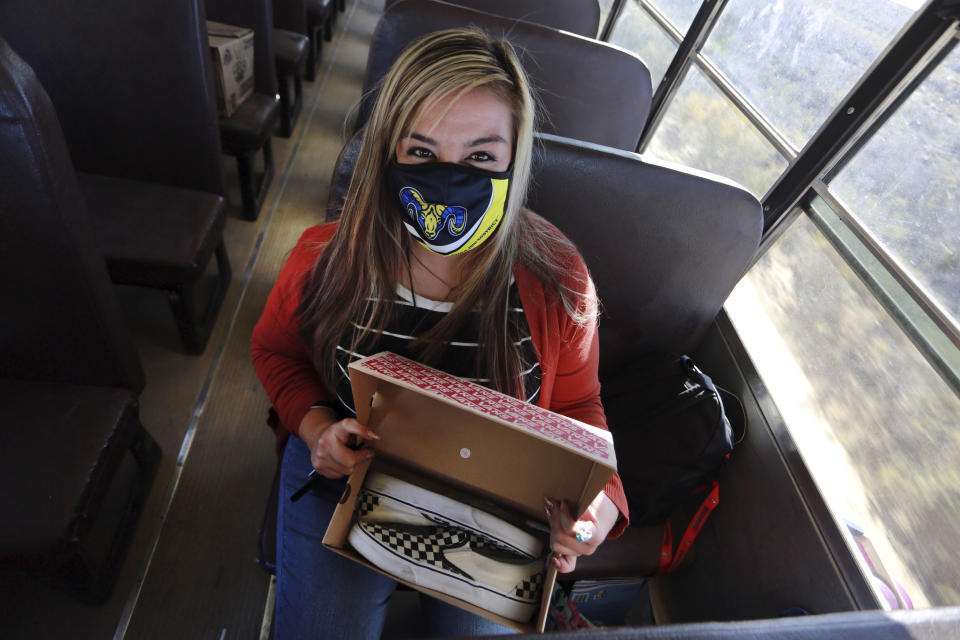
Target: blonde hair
x: 356, y: 276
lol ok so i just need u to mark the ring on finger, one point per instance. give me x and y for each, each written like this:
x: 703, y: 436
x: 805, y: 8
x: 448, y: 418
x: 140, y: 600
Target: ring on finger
x: 583, y: 532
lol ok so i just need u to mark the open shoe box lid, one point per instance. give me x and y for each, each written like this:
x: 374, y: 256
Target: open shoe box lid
x: 474, y: 439
x: 478, y: 439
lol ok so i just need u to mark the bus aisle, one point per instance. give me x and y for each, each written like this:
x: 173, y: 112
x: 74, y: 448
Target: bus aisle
x: 191, y: 570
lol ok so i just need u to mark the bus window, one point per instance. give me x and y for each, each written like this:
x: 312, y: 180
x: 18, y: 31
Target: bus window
x: 794, y: 61
x: 874, y: 423
x: 679, y: 12
x: 605, y: 6
x: 703, y: 129
x: 911, y: 202
x: 851, y: 314
x: 650, y: 39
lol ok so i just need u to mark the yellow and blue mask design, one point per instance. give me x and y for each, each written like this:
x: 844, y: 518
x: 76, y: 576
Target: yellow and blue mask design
x: 449, y: 208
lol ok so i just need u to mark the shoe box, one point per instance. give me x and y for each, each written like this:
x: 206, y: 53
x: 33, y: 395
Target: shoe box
x: 467, y: 438
x: 231, y: 50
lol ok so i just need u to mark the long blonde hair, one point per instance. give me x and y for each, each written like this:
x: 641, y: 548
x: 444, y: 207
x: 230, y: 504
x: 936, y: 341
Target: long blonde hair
x: 355, y: 277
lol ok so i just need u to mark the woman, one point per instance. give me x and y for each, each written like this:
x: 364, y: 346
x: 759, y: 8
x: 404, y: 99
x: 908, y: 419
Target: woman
x: 434, y: 258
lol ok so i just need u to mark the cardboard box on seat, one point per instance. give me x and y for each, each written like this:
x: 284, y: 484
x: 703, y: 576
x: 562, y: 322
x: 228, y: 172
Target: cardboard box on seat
x: 231, y: 49
x: 472, y: 439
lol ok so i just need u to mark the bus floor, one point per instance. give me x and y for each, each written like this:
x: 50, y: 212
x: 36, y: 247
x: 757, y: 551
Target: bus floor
x: 190, y: 570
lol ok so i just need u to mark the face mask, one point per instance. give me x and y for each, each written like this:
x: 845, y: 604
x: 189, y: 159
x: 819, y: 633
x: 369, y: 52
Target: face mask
x: 449, y: 208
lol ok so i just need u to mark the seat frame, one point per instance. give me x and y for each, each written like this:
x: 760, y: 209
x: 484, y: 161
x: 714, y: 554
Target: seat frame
x: 289, y: 110
x: 315, y: 54
x: 253, y: 191
x: 77, y: 572
x: 196, y: 325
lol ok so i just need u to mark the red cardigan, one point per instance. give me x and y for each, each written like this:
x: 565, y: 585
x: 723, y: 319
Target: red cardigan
x: 568, y: 354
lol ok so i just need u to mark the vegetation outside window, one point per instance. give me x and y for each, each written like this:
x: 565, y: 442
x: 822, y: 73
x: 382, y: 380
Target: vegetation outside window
x: 679, y: 12
x: 875, y: 424
x: 704, y: 130
x: 635, y: 30
x: 904, y: 185
x: 796, y: 60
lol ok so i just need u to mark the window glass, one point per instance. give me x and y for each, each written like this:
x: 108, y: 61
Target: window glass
x: 680, y: 13
x: 904, y: 184
x: 874, y: 423
x: 796, y: 60
x: 605, y: 6
x: 637, y: 32
x: 703, y: 129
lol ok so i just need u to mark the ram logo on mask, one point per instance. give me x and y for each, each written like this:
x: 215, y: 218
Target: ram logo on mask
x: 449, y: 208
x: 431, y: 218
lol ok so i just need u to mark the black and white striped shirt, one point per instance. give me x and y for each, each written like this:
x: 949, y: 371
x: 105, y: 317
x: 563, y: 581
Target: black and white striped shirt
x: 413, y: 316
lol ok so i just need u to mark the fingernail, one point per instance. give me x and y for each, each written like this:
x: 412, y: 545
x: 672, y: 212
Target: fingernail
x: 547, y: 511
x: 371, y: 434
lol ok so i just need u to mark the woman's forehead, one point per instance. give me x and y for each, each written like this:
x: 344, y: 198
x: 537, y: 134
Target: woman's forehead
x: 467, y: 113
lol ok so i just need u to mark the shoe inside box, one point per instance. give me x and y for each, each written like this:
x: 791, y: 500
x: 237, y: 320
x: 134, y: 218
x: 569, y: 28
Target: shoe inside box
x: 342, y: 524
x: 463, y: 495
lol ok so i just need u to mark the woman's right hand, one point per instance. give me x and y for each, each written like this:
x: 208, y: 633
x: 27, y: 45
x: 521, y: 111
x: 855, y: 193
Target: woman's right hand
x: 328, y: 438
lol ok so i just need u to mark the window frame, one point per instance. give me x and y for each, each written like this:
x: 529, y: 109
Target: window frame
x: 802, y: 189
x: 927, y: 38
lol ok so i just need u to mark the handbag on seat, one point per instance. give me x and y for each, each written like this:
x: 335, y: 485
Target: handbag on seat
x: 668, y: 419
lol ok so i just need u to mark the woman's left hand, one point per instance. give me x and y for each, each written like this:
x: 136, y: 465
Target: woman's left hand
x: 570, y: 538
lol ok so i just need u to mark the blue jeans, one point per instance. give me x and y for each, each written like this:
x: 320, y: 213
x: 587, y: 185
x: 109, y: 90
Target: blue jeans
x: 321, y: 594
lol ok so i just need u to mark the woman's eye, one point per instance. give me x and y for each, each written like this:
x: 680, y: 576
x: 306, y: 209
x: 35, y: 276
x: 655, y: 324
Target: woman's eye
x: 420, y: 152
x: 481, y: 156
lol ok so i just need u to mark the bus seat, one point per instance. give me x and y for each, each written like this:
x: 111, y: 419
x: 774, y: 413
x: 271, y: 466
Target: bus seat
x: 75, y: 462
x: 292, y: 53
x: 250, y: 128
x: 163, y: 237
x: 342, y: 172
x: 665, y: 246
x: 320, y: 17
x: 291, y: 15
x: 136, y: 108
x: 589, y: 90
x: 132, y: 83
x: 581, y: 17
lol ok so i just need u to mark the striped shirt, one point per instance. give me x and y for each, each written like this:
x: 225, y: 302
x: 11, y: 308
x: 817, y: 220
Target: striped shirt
x: 413, y: 316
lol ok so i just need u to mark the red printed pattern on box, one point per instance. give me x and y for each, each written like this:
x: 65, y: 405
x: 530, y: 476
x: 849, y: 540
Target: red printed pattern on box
x: 489, y: 402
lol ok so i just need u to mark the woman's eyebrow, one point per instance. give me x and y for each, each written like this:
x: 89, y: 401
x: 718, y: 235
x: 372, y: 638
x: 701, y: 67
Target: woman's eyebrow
x: 423, y: 138
x: 486, y: 140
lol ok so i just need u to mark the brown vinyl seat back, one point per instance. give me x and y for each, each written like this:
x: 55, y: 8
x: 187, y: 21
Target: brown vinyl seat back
x: 581, y: 17
x: 342, y: 173
x: 256, y: 15
x: 132, y: 83
x: 290, y: 15
x: 589, y: 90
x: 665, y: 244
x: 60, y: 320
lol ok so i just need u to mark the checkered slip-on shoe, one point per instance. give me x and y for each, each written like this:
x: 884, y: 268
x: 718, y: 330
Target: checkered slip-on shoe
x: 388, y: 499
x: 455, y: 561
